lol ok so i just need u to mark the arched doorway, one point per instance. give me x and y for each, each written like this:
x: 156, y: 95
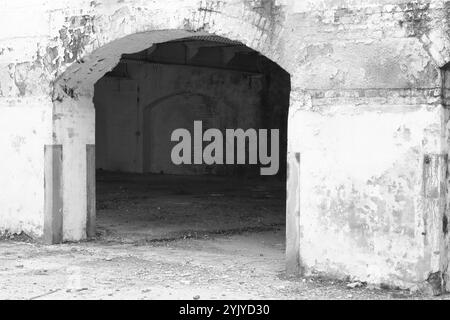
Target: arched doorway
x: 143, y: 194
x: 230, y: 85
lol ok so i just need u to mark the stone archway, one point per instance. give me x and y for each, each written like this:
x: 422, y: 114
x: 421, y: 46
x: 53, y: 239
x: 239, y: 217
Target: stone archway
x: 74, y: 129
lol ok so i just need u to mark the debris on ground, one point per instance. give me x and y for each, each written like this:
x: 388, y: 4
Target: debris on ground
x: 356, y: 284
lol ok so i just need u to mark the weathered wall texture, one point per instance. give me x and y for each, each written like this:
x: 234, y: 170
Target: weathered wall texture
x: 367, y: 110
x: 25, y: 127
x: 366, y: 115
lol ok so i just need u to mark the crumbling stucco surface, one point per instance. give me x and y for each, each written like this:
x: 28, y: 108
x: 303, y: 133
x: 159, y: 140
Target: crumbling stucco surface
x: 366, y: 111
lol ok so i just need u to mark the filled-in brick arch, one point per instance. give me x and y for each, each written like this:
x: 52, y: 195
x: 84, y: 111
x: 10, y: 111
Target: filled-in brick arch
x: 196, y: 85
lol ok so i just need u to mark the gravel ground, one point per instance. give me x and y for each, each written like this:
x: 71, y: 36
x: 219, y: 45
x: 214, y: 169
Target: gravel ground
x: 240, y: 266
x: 172, y: 237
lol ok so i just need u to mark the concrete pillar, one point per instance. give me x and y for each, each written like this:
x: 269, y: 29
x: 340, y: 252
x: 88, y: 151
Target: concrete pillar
x: 293, y: 265
x: 90, y: 190
x: 53, y: 207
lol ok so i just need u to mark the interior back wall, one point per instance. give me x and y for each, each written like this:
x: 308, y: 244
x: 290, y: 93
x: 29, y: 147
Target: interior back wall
x: 136, y: 115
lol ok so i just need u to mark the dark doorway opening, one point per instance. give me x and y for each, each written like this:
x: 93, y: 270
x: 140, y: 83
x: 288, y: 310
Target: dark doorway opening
x: 141, y: 194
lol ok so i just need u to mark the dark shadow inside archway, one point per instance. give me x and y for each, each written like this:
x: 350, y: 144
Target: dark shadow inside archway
x: 142, y: 194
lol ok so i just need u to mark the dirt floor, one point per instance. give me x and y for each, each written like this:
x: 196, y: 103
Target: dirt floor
x: 244, y: 266
x: 137, y: 207
x: 183, y: 240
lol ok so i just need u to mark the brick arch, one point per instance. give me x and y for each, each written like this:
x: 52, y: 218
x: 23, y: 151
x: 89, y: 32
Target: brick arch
x: 80, y: 76
x: 92, y: 45
x: 73, y: 118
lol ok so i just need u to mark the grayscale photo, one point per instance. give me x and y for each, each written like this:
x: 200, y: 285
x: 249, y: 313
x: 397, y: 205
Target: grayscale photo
x: 224, y: 154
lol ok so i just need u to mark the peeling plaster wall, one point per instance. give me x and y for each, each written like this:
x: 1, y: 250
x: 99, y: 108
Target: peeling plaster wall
x: 361, y: 184
x: 365, y: 109
x: 25, y: 127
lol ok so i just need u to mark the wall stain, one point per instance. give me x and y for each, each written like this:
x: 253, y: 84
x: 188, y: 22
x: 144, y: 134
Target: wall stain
x: 75, y: 36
